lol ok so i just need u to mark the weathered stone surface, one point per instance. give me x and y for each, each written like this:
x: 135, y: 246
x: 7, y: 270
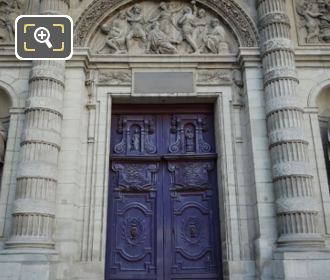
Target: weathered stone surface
x: 273, y: 188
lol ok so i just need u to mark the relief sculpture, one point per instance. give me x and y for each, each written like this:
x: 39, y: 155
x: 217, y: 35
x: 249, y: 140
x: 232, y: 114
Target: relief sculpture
x: 9, y: 10
x: 190, y: 176
x: 166, y: 28
x: 135, y: 177
x: 187, y: 135
x: 138, y: 136
x: 314, y: 21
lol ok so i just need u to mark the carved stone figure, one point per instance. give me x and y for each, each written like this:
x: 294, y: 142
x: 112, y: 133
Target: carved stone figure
x: 135, y: 19
x: 325, y: 22
x: 310, y: 14
x: 214, y: 38
x: 168, y: 28
x: 158, y: 42
x: 9, y: 10
x: 116, y: 34
x: 315, y: 19
x: 3, y: 139
x: 166, y: 22
x: 201, y: 24
x: 115, y: 77
x: 190, y: 143
x: 135, y: 142
x: 188, y: 22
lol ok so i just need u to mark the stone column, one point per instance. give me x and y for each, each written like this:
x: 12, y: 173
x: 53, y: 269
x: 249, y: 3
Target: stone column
x: 297, y: 209
x: 33, y: 213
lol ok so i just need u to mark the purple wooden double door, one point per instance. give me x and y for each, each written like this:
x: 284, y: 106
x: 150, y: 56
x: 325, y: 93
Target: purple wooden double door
x: 163, y: 200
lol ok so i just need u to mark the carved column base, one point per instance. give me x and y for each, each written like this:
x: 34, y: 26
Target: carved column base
x: 304, y: 241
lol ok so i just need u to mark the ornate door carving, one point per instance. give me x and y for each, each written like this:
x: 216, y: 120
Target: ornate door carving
x: 163, y: 218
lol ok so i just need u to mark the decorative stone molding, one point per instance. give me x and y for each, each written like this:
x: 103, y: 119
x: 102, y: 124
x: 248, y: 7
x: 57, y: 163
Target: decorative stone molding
x: 275, y: 104
x: 284, y: 169
x: 214, y: 77
x: 313, y: 21
x: 34, y: 135
x: 296, y: 207
x: 34, y: 206
x: 120, y: 77
x: 50, y: 103
x: 272, y: 18
x: 229, y: 12
x: 287, y: 205
x: 273, y: 45
x: 277, y: 73
x: 285, y: 135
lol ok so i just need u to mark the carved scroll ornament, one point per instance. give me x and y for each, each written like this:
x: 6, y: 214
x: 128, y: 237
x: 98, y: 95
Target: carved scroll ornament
x: 187, y: 135
x: 192, y: 176
x: 138, y: 136
x: 135, y: 177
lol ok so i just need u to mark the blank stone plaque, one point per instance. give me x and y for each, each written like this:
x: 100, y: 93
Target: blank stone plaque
x: 163, y: 82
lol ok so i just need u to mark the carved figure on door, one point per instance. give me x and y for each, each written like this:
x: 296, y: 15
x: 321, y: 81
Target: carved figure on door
x: 136, y: 140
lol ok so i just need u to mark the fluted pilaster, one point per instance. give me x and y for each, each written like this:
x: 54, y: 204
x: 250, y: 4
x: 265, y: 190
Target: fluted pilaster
x: 33, y: 214
x: 297, y: 208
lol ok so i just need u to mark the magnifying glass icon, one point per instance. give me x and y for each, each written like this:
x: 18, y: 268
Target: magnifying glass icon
x: 42, y: 35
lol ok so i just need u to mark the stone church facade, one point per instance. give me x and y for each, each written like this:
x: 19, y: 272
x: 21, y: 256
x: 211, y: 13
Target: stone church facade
x: 183, y: 140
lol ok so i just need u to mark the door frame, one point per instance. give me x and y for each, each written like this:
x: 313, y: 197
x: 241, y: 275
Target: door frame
x: 98, y: 154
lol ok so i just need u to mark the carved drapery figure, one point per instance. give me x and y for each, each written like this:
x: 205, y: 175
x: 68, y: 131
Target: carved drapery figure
x: 325, y: 22
x: 9, y: 10
x: 188, y: 23
x: 136, y: 139
x: 169, y: 28
x: 215, y: 38
x: 310, y: 14
x: 167, y: 23
x: 315, y: 18
x: 135, y: 18
x: 201, y: 23
x: 3, y: 140
x: 158, y: 42
x: 116, y: 32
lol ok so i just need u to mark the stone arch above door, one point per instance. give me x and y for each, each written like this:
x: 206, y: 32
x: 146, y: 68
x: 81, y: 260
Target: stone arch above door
x: 97, y: 20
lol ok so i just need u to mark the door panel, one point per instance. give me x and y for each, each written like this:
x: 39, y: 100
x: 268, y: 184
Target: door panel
x: 163, y: 218
x: 193, y: 242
